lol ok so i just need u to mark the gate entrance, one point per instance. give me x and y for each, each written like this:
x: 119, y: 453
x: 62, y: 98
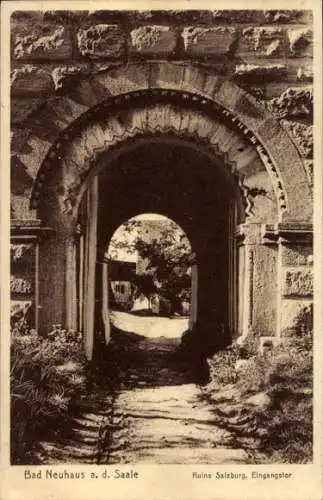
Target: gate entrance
x: 195, y: 148
x: 171, y: 178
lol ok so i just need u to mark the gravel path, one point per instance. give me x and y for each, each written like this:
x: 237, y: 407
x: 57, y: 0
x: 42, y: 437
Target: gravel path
x: 155, y: 415
x: 171, y: 425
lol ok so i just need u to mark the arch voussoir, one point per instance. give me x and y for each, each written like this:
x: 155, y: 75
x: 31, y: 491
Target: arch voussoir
x: 92, y: 138
x: 194, y: 89
x: 33, y: 154
x: 106, y: 133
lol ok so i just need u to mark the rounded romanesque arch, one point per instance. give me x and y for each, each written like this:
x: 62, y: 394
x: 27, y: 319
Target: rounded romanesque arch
x: 119, y: 124
x: 137, y: 86
x: 79, y: 133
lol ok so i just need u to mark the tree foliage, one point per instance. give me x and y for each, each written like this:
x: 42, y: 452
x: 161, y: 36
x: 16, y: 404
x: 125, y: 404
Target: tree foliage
x: 163, y: 257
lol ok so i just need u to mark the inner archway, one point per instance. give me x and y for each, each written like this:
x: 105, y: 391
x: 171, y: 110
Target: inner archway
x: 168, y: 177
x: 150, y: 272
x: 150, y: 276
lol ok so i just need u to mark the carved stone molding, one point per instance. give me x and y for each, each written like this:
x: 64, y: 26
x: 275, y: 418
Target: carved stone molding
x: 298, y: 283
x: 20, y: 285
x: 250, y: 267
x: 249, y: 194
x: 19, y: 307
x: 302, y: 135
x: 212, y: 92
x: 18, y: 250
x: 287, y: 233
x: 293, y: 103
x: 179, y: 125
x: 23, y: 231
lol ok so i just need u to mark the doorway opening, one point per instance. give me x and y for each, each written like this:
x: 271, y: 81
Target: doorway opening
x: 150, y: 277
x: 169, y: 178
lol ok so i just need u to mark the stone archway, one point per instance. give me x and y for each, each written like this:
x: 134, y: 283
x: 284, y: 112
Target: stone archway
x: 165, y: 175
x: 241, y: 111
x: 85, y: 130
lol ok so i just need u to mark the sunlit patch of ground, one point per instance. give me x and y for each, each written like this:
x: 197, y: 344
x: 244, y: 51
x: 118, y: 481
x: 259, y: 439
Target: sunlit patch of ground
x: 150, y: 326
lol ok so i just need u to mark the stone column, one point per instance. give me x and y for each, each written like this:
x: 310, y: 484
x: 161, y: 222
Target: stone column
x: 257, y: 306
x: 70, y: 282
x: 90, y: 267
x: 105, y: 302
x: 233, y: 281
x: 52, y: 257
x: 81, y: 283
x: 242, y: 285
x: 194, y: 296
x: 248, y: 238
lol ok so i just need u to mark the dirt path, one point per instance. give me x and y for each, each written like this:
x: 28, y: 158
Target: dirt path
x: 171, y: 425
x: 158, y: 425
x: 155, y: 415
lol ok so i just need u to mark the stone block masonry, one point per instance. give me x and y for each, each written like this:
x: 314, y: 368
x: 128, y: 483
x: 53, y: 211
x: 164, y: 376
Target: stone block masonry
x: 214, y: 41
x: 257, y: 64
x: 41, y: 42
x: 101, y: 41
x: 266, y: 52
x: 153, y: 40
x: 30, y: 80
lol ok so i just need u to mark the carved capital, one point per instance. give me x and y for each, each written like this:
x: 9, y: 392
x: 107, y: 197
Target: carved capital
x: 249, y: 234
x: 19, y: 307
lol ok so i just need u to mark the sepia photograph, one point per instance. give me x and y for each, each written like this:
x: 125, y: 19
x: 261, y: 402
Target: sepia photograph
x: 161, y: 238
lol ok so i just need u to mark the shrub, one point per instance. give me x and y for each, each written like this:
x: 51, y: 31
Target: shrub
x: 250, y: 345
x: 252, y: 378
x: 289, y: 420
x: 222, y: 366
x: 285, y: 374
x: 46, y: 374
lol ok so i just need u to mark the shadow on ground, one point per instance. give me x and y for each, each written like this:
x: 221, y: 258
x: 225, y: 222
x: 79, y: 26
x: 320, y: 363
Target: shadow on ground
x: 144, y: 405
x: 132, y: 360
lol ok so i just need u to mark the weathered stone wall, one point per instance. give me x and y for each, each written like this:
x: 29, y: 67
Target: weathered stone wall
x: 268, y: 53
x: 297, y: 288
